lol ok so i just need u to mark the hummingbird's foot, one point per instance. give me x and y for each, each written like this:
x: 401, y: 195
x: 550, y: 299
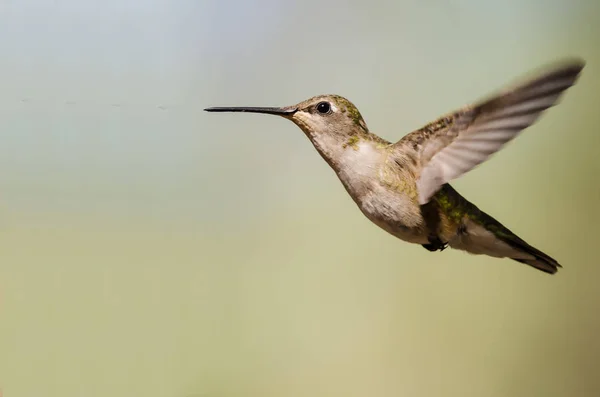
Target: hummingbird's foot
x: 435, y: 244
x: 429, y: 247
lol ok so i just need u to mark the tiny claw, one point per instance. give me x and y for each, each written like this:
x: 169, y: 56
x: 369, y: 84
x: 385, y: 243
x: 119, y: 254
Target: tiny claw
x: 435, y: 244
x: 429, y: 247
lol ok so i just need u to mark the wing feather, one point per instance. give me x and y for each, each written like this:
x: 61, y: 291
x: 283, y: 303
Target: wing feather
x: 454, y: 145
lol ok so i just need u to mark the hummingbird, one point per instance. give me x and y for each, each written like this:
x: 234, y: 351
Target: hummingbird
x: 403, y: 187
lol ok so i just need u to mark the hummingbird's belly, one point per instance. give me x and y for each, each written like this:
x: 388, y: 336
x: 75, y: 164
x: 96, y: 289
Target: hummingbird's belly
x: 389, y: 203
x: 396, y: 213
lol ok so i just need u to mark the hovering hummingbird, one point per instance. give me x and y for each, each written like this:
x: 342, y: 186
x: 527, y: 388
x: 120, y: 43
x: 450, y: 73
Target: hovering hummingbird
x: 403, y: 187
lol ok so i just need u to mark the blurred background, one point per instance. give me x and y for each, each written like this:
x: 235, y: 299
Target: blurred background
x: 148, y: 248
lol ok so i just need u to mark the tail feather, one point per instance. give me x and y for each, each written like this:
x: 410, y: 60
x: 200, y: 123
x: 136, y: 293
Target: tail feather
x: 479, y: 233
x: 534, y: 257
x: 541, y: 262
x: 549, y: 267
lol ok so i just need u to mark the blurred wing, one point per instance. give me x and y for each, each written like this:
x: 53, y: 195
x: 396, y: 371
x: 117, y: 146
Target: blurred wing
x: 455, y: 144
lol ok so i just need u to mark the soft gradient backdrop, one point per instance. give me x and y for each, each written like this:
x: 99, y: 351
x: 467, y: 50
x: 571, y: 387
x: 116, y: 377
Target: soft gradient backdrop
x: 148, y: 248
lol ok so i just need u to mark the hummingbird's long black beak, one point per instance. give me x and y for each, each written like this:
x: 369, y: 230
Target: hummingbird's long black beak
x: 275, y: 111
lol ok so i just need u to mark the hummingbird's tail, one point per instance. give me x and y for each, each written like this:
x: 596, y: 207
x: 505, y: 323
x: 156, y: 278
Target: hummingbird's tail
x: 540, y: 260
x: 484, y: 235
x: 479, y: 233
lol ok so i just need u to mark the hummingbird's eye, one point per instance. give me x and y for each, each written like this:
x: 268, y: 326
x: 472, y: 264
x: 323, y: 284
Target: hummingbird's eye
x: 323, y: 107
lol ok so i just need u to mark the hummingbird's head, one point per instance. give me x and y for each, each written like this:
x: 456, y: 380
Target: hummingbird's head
x: 320, y: 115
x: 328, y: 115
x: 331, y: 122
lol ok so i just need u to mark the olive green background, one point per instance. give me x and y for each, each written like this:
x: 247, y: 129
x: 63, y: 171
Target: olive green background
x: 148, y: 248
